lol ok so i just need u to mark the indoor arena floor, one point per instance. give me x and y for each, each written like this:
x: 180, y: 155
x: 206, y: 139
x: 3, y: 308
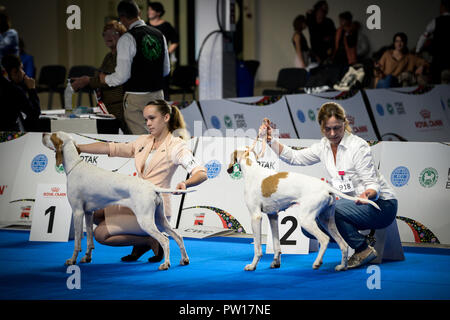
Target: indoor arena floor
x: 35, y: 270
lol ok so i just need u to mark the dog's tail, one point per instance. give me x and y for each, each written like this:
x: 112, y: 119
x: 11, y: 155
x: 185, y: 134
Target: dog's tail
x: 163, y: 190
x: 345, y: 196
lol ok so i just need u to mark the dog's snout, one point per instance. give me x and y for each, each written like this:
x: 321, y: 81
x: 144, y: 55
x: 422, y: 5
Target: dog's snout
x: 230, y: 169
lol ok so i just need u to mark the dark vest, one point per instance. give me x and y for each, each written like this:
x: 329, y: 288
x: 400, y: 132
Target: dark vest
x: 148, y: 63
x: 441, y: 41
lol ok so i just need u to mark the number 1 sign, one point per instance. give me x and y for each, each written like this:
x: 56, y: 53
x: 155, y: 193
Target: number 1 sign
x: 52, y: 214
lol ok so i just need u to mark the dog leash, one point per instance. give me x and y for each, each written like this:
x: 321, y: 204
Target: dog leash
x: 78, y: 162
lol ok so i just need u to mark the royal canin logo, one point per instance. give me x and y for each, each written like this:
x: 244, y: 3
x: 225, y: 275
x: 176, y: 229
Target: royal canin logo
x: 54, y: 193
x: 356, y: 129
x: 427, y: 122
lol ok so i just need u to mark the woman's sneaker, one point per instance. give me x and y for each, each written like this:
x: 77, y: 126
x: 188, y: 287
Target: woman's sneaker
x: 362, y: 258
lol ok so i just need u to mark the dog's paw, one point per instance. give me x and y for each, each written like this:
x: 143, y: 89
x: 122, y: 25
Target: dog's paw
x: 250, y: 267
x: 85, y: 259
x: 316, y: 265
x: 275, y: 264
x: 164, y: 266
x: 70, y: 262
x: 340, y: 267
x: 184, y: 262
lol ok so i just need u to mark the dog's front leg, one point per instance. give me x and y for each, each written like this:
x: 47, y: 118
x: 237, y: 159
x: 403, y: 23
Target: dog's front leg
x: 256, y: 227
x: 273, y: 219
x: 89, y: 219
x: 78, y: 226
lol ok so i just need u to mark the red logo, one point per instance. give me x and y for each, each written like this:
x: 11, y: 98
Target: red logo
x: 25, y: 212
x: 351, y: 120
x: 425, y: 114
x: 55, y: 192
x: 2, y: 189
x: 427, y: 122
x: 55, y: 189
x: 199, y: 219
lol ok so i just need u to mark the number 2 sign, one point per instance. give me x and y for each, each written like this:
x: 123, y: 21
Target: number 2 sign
x: 52, y: 214
x: 292, y: 239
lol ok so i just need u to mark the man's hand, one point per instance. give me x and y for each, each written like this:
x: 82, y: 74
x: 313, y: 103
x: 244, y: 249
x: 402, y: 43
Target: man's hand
x: 102, y: 76
x: 79, y: 83
x: 30, y: 83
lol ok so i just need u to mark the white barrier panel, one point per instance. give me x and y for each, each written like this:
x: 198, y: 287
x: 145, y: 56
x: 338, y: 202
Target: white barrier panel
x: 246, y: 117
x: 305, y: 107
x: 410, y: 114
x: 30, y: 163
x: 191, y: 113
x: 419, y: 173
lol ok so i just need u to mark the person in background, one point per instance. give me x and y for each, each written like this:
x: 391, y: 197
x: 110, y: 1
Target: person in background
x: 112, y: 97
x: 18, y: 96
x: 302, y: 52
x: 398, y: 66
x: 321, y: 31
x: 345, y: 43
x: 155, y: 13
x: 437, y: 32
x: 348, y: 159
x: 27, y: 60
x: 142, y: 62
x: 9, y: 38
x: 157, y: 155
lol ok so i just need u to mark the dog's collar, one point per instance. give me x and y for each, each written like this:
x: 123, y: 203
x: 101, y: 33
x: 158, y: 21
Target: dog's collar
x: 78, y: 162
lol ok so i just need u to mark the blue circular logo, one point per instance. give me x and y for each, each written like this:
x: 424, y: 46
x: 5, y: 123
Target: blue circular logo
x: 400, y: 176
x: 215, y: 122
x: 39, y: 163
x: 301, y: 116
x: 380, y: 110
x: 213, y: 168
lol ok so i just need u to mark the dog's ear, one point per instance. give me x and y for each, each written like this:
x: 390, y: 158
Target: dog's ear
x: 233, y: 161
x: 78, y: 148
x: 58, y: 143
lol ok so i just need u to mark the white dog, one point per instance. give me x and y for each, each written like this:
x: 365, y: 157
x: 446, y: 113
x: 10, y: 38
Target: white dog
x: 90, y: 188
x: 269, y: 192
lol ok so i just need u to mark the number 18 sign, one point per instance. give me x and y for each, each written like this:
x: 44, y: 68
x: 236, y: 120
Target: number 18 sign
x: 52, y: 214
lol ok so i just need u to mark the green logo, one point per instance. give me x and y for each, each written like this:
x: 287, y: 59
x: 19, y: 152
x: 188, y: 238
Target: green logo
x: 228, y: 122
x: 60, y: 168
x: 311, y: 115
x: 390, y: 108
x: 237, y: 173
x: 151, y: 47
x: 428, y: 177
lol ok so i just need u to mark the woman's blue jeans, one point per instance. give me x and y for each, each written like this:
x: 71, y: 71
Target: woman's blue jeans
x: 350, y: 218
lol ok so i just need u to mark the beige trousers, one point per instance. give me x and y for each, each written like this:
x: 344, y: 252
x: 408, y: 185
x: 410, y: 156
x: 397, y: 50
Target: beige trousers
x: 133, y: 105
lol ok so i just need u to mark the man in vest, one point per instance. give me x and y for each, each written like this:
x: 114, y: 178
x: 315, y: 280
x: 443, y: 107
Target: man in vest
x: 438, y: 32
x: 142, y: 62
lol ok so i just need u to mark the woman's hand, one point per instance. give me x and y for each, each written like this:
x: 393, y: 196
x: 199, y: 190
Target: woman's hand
x: 181, y: 186
x: 368, y: 194
x: 266, y: 130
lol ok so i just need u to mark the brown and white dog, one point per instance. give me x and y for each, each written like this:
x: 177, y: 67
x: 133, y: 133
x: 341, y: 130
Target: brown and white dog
x: 90, y: 188
x: 270, y: 192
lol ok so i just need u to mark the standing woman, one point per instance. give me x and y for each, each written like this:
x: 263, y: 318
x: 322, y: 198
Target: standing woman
x: 300, y: 43
x: 347, y: 158
x: 157, y: 156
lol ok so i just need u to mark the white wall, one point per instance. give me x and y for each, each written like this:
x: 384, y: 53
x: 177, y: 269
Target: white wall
x: 274, y: 29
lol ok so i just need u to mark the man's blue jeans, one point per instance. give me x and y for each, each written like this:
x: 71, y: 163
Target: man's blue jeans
x: 350, y: 218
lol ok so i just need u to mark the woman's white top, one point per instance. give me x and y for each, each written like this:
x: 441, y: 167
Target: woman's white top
x: 353, y: 156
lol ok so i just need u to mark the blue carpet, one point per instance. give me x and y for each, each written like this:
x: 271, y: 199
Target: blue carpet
x: 35, y: 270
